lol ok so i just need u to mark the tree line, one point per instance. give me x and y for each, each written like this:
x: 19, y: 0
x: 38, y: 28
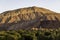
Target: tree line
x: 42, y: 34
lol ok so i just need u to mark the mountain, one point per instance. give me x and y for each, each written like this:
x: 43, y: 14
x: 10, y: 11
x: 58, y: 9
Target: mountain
x: 28, y: 18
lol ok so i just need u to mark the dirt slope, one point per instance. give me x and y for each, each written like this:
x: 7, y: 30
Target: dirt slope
x: 27, y: 18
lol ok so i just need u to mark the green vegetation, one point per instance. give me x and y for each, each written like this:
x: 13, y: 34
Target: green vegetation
x: 42, y: 34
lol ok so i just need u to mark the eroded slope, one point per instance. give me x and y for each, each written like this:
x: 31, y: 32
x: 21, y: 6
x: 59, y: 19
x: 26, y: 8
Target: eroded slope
x: 27, y: 18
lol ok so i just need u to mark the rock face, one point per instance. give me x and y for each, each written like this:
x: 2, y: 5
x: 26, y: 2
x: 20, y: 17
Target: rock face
x: 27, y: 18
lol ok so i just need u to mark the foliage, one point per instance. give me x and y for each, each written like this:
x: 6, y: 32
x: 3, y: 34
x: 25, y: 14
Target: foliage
x: 46, y: 34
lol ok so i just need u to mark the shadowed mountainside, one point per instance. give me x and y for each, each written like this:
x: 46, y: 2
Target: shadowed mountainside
x: 28, y: 18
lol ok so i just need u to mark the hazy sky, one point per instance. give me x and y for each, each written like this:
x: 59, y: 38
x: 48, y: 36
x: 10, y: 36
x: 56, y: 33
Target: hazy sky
x: 15, y: 4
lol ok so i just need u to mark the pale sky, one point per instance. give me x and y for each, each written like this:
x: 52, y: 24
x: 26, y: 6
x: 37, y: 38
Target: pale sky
x: 53, y: 5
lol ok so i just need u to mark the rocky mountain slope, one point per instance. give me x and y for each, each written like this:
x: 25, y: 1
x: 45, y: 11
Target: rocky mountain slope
x: 28, y: 18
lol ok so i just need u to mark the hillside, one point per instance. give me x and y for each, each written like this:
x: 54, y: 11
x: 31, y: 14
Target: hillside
x: 28, y: 18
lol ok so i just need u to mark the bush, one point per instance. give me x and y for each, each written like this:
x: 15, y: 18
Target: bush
x: 46, y: 34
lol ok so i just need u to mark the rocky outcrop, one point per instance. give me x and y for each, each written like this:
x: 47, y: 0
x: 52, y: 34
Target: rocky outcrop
x: 27, y: 18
